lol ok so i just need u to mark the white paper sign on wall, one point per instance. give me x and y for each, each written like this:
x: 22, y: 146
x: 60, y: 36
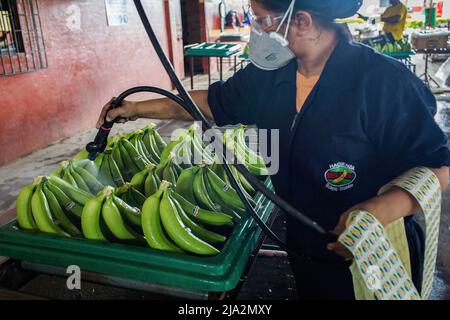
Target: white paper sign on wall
x: 117, y: 12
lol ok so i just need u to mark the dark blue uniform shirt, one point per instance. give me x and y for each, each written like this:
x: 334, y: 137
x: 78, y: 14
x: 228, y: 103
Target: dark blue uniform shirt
x: 368, y: 115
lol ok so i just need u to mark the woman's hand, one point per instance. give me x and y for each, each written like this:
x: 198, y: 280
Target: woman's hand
x: 373, y: 205
x: 126, y: 112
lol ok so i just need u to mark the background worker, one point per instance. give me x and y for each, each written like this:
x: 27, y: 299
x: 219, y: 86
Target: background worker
x: 338, y: 106
x: 394, y: 18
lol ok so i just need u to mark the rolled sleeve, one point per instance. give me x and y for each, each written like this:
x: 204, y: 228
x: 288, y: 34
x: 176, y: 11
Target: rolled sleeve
x: 232, y: 101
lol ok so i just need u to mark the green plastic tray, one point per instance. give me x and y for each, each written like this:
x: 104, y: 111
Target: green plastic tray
x: 208, y: 274
x: 400, y: 54
x: 207, y: 49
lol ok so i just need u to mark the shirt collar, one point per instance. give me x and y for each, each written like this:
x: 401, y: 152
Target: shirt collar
x: 339, y: 73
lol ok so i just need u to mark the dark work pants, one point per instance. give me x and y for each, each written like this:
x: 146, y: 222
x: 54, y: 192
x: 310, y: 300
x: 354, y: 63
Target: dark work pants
x: 319, y: 281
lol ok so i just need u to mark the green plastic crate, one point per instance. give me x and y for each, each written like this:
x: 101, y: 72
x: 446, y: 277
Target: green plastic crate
x: 400, y: 54
x: 208, y: 274
x: 207, y: 49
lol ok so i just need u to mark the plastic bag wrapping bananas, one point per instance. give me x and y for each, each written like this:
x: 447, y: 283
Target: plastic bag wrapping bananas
x: 381, y: 266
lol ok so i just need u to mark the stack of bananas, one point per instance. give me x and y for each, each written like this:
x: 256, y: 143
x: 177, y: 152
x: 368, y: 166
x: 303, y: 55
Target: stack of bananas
x: 142, y: 191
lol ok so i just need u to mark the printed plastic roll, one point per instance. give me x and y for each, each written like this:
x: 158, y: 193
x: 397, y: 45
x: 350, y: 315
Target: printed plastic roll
x: 380, y: 267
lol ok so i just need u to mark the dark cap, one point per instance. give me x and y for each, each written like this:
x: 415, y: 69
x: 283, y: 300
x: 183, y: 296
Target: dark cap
x: 334, y: 9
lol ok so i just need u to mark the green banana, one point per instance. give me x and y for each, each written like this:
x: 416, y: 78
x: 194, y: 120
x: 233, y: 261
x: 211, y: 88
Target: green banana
x: 224, y: 190
x: 242, y: 181
x: 221, y: 205
x: 250, y: 156
x: 169, y: 173
x: 185, y: 183
x: 87, y: 165
x: 131, y: 214
x: 240, y: 155
x: 137, y: 196
x: 115, y: 172
x: 42, y: 214
x: 58, y: 212
x: 98, y: 163
x: 23, y: 208
x: 68, y: 204
x: 151, y: 223
x: 168, y: 149
x: 105, y: 176
x: 200, y: 152
x: 69, y: 178
x: 139, y: 144
x: 220, y: 171
x: 160, y: 143
x: 155, y: 152
x: 129, y: 164
x: 118, y: 159
x: 178, y: 232
x: 151, y: 184
x: 94, y: 185
x: 79, y: 180
x: 201, y: 193
x: 134, y: 155
x: 138, y: 180
x: 201, y: 215
x: 72, y: 192
x: 198, y: 230
x: 113, y: 219
x: 91, y: 216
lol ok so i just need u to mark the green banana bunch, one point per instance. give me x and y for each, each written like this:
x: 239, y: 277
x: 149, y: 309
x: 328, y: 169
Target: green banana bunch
x: 92, y: 215
x: 151, y: 222
x: 71, y: 207
x: 184, y: 185
x: 201, y: 154
x: 201, y: 194
x: 116, y: 223
x: 59, y: 214
x: 198, y: 230
x: 51, y: 205
x: 153, y: 143
x: 146, y: 181
x: 131, y: 195
x: 151, y: 132
x: 79, y: 174
x: 200, y: 215
x: 219, y: 203
x: 254, y: 162
x: 131, y: 214
x: 179, y: 232
x: 41, y: 211
x: 74, y: 193
x: 169, y: 170
x: 220, y: 171
x: 136, y: 140
x: 128, y: 159
x: 23, y: 208
x: 109, y: 173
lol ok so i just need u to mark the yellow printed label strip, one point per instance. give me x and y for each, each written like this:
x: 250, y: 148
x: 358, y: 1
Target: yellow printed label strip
x: 383, y: 272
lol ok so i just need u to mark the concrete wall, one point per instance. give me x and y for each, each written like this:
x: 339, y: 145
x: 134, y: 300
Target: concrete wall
x: 85, y: 68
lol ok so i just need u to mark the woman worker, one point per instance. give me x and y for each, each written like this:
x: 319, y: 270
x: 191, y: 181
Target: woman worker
x: 336, y: 104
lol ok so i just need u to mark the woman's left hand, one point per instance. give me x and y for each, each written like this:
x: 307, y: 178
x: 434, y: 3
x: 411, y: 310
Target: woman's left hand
x: 372, y: 205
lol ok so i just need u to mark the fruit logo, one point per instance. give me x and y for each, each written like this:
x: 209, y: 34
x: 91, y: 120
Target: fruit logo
x: 340, y: 176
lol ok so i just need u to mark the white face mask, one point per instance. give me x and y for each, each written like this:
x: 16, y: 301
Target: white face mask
x: 269, y: 51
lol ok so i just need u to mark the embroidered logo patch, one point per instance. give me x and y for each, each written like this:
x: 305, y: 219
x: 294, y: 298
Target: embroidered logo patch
x: 340, y: 176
